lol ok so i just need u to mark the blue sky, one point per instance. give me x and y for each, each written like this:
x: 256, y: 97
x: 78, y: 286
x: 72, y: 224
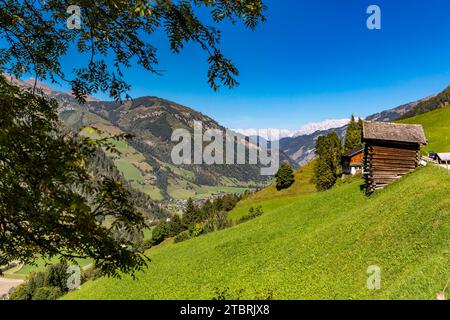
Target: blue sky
x: 312, y: 60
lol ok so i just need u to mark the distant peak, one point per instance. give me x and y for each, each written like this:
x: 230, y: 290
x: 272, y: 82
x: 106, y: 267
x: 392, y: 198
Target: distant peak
x: 306, y: 129
x: 328, y: 124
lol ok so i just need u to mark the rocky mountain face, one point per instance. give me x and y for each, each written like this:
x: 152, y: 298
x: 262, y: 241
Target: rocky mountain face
x: 301, y: 149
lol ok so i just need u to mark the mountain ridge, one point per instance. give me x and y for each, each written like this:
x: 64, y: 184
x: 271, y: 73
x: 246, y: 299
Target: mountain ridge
x: 145, y: 161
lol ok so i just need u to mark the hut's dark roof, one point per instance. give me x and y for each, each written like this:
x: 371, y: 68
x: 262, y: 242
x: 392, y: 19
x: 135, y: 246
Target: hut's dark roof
x: 386, y: 131
x: 352, y: 152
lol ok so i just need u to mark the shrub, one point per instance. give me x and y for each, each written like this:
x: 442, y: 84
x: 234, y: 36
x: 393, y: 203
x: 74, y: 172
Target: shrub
x: 252, y: 214
x: 284, y: 177
x: 21, y: 292
x: 160, y: 233
x: 218, y: 221
x: 147, y: 244
x: 47, y: 293
x: 328, y: 165
x: 56, y: 276
x: 183, y: 236
x: 198, y: 230
x: 47, y: 285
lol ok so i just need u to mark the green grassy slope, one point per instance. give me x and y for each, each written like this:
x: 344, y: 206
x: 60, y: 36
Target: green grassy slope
x: 437, y: 128
x: 317, y: 246
x: 270, y: 197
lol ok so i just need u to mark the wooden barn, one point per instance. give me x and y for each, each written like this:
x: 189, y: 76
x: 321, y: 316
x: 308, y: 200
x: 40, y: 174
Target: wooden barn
x: 443, y: 158
x: 352, y: 161
x: 391, y: 151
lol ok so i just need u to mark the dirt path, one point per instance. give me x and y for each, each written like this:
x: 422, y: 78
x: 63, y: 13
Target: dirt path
x: 6, y: 284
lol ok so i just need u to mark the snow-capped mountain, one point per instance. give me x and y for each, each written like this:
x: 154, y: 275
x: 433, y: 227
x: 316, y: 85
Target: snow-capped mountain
x: 268, y: 134
x: 307, y: 129
x: 324, y: 125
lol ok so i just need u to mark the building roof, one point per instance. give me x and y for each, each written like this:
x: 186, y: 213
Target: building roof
x: 386, y: 131
x: 352, y: 152
x: 444, y: 156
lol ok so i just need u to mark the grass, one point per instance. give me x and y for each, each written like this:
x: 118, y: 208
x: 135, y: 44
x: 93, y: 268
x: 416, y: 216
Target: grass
x: 148, y: 233
x: 315, y: 246
x: 150, y: 190
x: 129, y: 171
x: 437, y: 128
x: 207, y: 191
x: 39, y: 266
x: 270, y: 197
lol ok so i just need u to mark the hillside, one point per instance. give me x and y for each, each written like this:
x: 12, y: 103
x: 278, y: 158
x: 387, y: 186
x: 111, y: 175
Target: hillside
x: 313, y: 247
x: 438, y: 101
x: 437, y: 128
x: 397, y: 112
x: 145, y: 161
x: 270, y: 196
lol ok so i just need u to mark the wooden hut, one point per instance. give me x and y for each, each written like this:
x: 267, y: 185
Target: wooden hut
x: 352, y: 161
x: 443, y: 158
x: 391, y: 151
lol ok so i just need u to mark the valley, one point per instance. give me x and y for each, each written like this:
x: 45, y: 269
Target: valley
x: 315, y: 245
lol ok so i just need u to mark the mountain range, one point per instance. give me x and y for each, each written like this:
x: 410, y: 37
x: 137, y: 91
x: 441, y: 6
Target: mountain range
x: 145, y: 159
x: 301, y: 148
x: 306, y: 129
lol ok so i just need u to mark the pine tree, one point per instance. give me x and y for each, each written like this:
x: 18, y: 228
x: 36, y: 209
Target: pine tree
x: 328, y: 163
x: 324, y: 177
x: 191, y: 214
x: 284, y: 177
x: 354, y: 134
x: 175, y: 225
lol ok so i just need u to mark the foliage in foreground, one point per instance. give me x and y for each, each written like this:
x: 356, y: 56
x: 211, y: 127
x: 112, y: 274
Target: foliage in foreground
x: 50, y: 203
x: 112, y: 34
x: 49, y: 284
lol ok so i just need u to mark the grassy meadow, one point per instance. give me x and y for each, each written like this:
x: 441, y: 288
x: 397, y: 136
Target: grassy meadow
x: 270, y: 197
x: 437, y: 128
x: 310, y: 246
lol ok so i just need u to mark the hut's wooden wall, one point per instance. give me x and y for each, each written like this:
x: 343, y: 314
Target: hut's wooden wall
x: 385, y: 162
x: 357, y: 158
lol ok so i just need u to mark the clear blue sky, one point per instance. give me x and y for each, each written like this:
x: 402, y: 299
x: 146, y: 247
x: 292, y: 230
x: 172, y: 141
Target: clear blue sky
x: 313, y: 60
